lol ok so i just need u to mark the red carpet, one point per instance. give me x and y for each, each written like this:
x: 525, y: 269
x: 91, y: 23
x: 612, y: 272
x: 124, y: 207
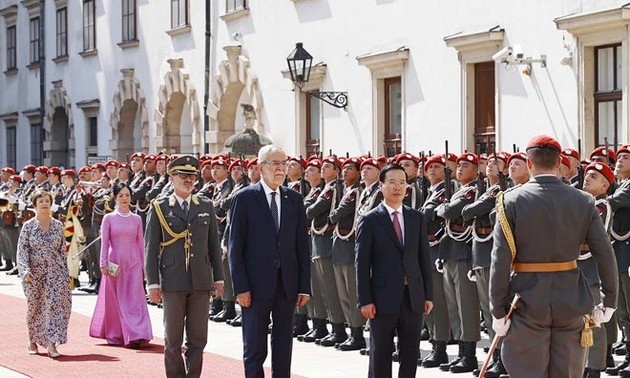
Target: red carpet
x: 84, y: 356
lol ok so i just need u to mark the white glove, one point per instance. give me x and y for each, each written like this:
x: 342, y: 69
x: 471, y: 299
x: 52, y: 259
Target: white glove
x: 501, y: 326
x: 471, y: 276
x: 439, y: 265
x: 602, y: 314
x: 54, y: 207
x: 21, y: 205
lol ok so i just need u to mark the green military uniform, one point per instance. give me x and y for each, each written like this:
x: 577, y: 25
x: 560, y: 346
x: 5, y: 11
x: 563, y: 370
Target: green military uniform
x: 183, y: 259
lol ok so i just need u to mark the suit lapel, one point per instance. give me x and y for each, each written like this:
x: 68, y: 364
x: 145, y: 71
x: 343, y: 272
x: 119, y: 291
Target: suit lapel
x: 264, y: 204
x: 387, y: 223
x: 409, y: 228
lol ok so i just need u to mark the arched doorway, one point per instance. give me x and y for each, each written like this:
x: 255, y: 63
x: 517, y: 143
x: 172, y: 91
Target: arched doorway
x: 177, y: 117
x: 59, y: 153
x: 59, y: 128
x: 129, y: 119
x: 235, y: 84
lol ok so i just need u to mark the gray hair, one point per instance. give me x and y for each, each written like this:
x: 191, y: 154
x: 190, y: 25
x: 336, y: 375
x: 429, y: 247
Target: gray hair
x: 266, y: 150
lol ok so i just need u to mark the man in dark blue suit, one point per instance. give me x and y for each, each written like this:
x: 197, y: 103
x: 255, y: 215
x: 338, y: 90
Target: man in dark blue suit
x: 270, y: 263
x: 393, y: 276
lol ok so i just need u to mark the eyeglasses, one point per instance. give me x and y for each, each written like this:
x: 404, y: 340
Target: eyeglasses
x: 276, y: 164
x: 185, y: 176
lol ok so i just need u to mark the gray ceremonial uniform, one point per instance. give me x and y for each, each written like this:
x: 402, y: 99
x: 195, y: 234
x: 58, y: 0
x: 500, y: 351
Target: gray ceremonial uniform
x: 221, y: 192
x: 139, y: 196
x: 549, y: 221
x: 315, y: 307
x: 620, y: 205
x: 343, y: 255
x: 482, y: 247
x: 186, y: 288
x: 438, y: 321
x: 322, y: 233
x: 461, y: 293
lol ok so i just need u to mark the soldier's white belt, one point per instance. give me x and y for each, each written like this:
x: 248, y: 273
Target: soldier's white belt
x: 520, y: 267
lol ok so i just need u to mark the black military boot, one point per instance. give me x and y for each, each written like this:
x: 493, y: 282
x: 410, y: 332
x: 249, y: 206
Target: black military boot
x: 8, y: 265
x: 497, y: 369
x: 229, y: 312
x: 625, y: 372
x: 622, y: 350
x: 437, y: 356
x: 301, y: 325
x: 424, y: 334
x: 356, y: 340
x: 610, y: 361
x: 469, y: 361
x: 460, y: 353
x: 215, y: 307
x: 619, y: 367
x: 591, y: 373
x: 339, y: 335
x: 319, y: 331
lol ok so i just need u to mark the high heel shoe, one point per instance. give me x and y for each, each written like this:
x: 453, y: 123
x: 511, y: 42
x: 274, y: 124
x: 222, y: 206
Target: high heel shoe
x: 52, y: 352
x: 32, y: 349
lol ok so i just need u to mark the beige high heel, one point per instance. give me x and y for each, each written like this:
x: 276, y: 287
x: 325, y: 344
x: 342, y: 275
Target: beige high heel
x: 32, y: 349
x: 52, y: 351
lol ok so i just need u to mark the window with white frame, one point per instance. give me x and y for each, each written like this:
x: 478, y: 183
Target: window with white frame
x: 392, y: 138
x: 62, y: 32
x: 34, y: 39
x: 608, y: 94
x: 11, y: 144
x: 89, y: 26
x: 92, y: 132
x: 313, y: 124
x: 179, y: 13
x: 11, y: 48
x: 129, y: 20
x: 37, y: 143
x: 234, y: 5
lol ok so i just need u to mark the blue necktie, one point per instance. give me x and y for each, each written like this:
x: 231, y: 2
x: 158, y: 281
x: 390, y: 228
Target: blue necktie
x: 274, y: 210
x: 185, y: 207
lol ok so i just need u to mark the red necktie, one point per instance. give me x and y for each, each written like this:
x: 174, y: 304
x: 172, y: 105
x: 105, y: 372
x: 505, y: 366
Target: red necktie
x: 397, y: 227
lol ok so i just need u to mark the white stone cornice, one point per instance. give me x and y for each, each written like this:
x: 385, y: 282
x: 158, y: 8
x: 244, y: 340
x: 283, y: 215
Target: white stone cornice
x: 315, y: 79
x: 9, y: 14
x: 385, y: 64
x: 477, y: 40
x: 32, y: 6
x: 594, y: 22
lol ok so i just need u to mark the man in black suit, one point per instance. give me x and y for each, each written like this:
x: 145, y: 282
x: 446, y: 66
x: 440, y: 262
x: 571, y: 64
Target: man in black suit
x: 270, y: 263
x: 393, y: 276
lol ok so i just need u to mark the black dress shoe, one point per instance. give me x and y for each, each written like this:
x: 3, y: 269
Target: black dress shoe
x: 237, y: 322
x: 365, y: 351
x: 13, y: 272
x: 615, y: 370
x: 7, y: 266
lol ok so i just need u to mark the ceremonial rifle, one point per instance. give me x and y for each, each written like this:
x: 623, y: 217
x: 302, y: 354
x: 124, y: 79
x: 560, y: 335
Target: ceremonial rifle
x: 580, y: 168
x: 496, y: 339
x: 447, y: 175
x: 424, y: 184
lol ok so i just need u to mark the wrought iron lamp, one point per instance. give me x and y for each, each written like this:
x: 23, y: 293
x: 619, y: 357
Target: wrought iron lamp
x: 300, y: 63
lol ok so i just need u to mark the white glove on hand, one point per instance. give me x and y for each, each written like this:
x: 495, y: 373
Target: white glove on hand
x: 54, y: 207
x: 602, y: 314
x: 501, y: 326
x: 471, y: 276
x: 21, y: 205
x: 439, y: 265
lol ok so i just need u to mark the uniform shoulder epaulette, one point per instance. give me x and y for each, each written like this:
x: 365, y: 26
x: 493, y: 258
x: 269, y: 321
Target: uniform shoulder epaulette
x: 512, y: 188
x: 196, y: 199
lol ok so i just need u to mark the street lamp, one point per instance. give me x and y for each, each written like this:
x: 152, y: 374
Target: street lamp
x: 300, y: 63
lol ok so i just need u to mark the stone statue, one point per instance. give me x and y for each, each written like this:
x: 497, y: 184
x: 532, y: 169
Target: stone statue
x: 248, y: 141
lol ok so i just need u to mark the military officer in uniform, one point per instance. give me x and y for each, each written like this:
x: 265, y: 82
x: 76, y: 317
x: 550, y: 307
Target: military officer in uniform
x: 321, y: 234
x: 438, y: 320
x: 138, y: 195
x: 222, y: 189
x: 315, y: 307
x: 597, y: 179
x: 540, y: 228
x: 343, y: 255
x: 183, y: 268
x: 480, y: 211
x: 619, y: 203
x: 410, y: 165
x: 456, y: 252
x: 161, y: 162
